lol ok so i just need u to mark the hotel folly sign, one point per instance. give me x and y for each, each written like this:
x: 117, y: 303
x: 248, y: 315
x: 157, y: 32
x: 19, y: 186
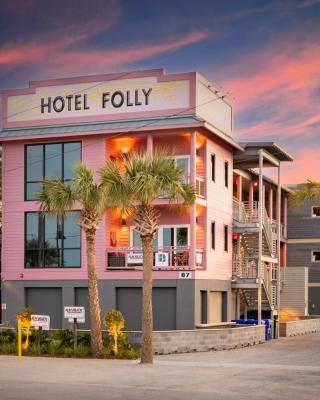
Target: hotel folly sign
x: 58, y: 100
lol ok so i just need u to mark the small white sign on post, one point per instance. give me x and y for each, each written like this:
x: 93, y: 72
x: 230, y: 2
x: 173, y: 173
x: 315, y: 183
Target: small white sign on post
x: 3, y: 306
x: 75, y: 312
x: 162, y: 259
x: 135, y: 258
x: 40, y: 321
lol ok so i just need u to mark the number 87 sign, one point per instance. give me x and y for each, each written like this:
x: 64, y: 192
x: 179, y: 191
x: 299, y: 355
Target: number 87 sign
x: 185, y: 275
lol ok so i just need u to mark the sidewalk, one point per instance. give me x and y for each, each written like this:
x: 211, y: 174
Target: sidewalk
x: 284, y: 369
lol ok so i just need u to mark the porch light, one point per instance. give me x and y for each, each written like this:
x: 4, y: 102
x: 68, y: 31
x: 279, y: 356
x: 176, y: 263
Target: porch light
x: 255, y: 183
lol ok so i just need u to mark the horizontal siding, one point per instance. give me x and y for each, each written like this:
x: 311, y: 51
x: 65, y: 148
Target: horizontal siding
x: 14, y: 208
x: 219, y: 209
x: 301, y: 225
x: 299, y: 255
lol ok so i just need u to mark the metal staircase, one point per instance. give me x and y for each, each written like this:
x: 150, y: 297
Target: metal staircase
x: 246, y: 255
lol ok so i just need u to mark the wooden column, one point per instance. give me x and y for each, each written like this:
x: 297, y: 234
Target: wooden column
x: 193, y: 172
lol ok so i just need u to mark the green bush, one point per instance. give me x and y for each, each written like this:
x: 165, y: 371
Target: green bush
x: 83, y: 351
x: 84, y: 339
x: 8, y: 335
x: 8, y: 348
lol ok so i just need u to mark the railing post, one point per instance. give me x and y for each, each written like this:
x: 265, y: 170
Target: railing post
x: 278, y: 249
x: 193, y: 155
x: 260, y: 210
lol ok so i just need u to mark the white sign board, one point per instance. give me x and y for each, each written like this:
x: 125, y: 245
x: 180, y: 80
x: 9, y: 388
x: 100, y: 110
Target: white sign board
x: 99, y: 99
x: 74, y: 312
x: 40, y: 321
x: 135, y: 258
x: 162, y: 259
x: 185, y: 275
x: 3, y: 306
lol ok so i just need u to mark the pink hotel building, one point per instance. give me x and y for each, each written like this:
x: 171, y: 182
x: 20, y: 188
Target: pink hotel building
x: 218, y: 260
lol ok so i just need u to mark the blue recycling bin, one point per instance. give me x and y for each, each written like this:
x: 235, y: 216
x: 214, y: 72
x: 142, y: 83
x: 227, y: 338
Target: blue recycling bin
x: 268, y: 323
x: 269, y: 328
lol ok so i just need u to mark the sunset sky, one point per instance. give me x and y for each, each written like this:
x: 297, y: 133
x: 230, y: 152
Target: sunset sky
x: 265, y: 54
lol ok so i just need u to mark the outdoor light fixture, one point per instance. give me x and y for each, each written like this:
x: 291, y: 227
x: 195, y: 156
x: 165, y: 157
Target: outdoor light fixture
x: 197, y: 152
x: 123, y: 222
x: 255, y: 183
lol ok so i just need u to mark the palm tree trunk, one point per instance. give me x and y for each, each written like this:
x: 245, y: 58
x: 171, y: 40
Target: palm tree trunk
x: 147, y: 319
x: 95, y: 317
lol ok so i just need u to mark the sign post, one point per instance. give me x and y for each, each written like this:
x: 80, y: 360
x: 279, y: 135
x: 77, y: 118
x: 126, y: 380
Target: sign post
x: 75, y: 335
x: 19, y: 340
x: 75, y: 315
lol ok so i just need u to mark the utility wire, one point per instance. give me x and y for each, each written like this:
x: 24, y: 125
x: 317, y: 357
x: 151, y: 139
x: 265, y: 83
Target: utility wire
x: 122, y: 133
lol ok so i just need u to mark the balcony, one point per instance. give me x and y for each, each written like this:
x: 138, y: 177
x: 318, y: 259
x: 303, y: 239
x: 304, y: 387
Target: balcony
x: 200, y: 187
x: 166, y: 258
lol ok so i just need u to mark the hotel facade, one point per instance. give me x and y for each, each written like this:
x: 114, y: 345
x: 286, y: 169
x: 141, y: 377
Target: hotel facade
x: 219, y: 259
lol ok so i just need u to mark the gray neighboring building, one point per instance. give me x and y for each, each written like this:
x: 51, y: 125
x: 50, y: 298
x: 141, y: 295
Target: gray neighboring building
x: 304, y: 247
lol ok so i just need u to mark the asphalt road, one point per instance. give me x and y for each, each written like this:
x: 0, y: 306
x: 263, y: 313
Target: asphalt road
x: 283, y: 369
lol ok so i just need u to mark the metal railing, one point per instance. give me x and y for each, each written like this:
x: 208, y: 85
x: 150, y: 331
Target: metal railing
x: 200, y: 186
x: 244, y: 267
x: 166, y: 258
x: 245, y: 211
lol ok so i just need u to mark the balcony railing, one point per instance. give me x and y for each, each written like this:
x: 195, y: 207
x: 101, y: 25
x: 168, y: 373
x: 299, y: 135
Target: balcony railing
x: 165, y: 258
x: 200, y: 186
x: 245, y: 211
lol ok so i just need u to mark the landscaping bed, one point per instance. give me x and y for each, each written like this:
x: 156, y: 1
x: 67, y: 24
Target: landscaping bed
x: 60, y: 343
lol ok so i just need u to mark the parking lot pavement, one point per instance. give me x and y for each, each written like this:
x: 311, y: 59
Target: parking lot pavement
x: 282, y: 369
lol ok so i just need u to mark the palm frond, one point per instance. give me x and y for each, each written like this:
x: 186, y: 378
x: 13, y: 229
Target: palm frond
x: 116, y: 188
x: 87, y: 190
x: 56, y: 197
x: 310, y: 191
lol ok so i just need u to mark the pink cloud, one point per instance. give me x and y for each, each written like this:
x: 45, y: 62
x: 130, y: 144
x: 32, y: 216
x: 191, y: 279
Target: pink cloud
x: 63, y: 59
x: 305, y: 166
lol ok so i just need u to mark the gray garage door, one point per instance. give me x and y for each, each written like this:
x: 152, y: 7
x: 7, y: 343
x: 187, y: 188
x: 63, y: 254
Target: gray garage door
x: 47, y: 301
x: 129, y: 302
x: 81, y: 299
x: 314, y: 300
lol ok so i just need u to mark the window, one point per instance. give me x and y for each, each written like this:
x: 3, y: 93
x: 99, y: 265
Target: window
x: 315, y: 256
x: 50, y: 243
x: 213, y: 167
x: 167, y: 236
x: 226, y: 238
x: 226, y: 174
x: 183, y: 163
x: 49, y: 161
x: 213, y: 235
x: 316, y: 211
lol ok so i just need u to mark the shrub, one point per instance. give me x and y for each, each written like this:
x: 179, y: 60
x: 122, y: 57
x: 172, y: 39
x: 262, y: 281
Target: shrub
x: 8, y: 335
x: 83, y: 351
x: 84, y: 339
x: 114, y: 322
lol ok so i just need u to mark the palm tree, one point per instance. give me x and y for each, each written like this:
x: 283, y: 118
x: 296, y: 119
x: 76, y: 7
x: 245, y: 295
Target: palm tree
x: 136, y: 183
x: 57, y: 198
x: 309, y: 191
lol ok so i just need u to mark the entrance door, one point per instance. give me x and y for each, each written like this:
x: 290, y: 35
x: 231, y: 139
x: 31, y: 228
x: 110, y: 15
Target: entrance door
x: 215, y: 307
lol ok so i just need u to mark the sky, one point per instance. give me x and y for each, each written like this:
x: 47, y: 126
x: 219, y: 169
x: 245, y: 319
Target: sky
x: 265, y: 54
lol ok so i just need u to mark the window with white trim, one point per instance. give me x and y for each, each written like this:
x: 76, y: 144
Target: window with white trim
x: 167, y: 236
x: 315, y: 211
x: 315, y: 256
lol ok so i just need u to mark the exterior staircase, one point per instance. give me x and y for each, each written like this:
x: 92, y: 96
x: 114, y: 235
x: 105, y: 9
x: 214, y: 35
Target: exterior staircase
x: 246, y: 256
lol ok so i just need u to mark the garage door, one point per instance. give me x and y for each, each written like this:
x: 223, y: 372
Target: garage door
x: 47, y: 301
x: 81, y: 299
x: 129, y: 302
